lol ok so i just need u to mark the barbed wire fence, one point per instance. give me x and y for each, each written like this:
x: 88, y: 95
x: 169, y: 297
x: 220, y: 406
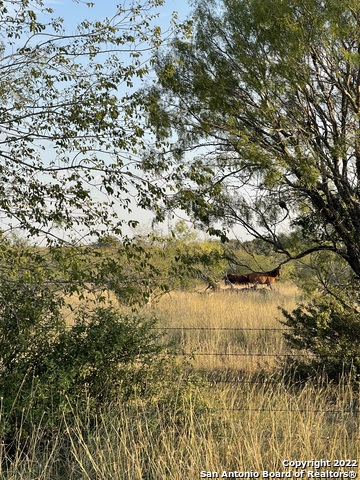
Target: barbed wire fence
x: 243, y: 380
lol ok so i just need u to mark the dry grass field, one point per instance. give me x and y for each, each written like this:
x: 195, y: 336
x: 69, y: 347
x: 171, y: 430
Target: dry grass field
x: 248, y: 428
x: 229, y: 328
x: 251, y: 421
x: 255, y: 421
x: 241, y: 416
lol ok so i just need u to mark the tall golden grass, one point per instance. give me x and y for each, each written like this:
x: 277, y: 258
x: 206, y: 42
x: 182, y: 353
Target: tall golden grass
x: 249, y: 427
x: 230, y: 328
x: 249, y: 421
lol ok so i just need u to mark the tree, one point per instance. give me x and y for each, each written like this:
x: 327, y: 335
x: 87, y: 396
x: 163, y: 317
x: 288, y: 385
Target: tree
x: 71, y: 130
x: 70, y: 122
x: 266, y: 96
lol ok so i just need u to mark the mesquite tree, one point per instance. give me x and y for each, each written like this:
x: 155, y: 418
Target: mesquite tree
x: 266, y: 95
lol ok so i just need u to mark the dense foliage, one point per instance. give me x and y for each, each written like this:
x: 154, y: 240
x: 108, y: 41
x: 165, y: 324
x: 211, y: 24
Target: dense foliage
x: 49, y: 367
x: 261, y: 111
x: 327, y: 328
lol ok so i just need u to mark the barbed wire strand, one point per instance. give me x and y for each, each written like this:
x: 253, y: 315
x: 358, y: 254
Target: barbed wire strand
x: 229, y: 354
x: 245, y: 329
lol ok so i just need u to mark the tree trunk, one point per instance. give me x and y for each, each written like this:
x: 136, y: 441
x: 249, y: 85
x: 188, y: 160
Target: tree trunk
x: 353, y: 257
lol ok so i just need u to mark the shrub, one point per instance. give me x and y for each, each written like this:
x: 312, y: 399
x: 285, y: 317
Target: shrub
x: 329, y: 329
x: 46, y: 368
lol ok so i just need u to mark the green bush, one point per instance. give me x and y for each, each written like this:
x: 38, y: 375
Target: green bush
x: 46, y: 368
x: 328, y: 328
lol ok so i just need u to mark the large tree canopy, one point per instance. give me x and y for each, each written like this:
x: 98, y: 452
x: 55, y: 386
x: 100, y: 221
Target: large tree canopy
x: 70, y: 124
x: 267, y: 97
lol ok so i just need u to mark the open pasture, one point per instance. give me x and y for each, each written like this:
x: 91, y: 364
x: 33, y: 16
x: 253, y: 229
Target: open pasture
x: 255, y: 420
x: 240, y: 416
x: 231, y: 328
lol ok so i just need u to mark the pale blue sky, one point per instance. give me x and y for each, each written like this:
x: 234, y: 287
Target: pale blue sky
x: 73, y: 11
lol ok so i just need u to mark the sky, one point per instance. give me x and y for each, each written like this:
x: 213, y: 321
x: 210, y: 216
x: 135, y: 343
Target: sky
x: 73, y: 12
